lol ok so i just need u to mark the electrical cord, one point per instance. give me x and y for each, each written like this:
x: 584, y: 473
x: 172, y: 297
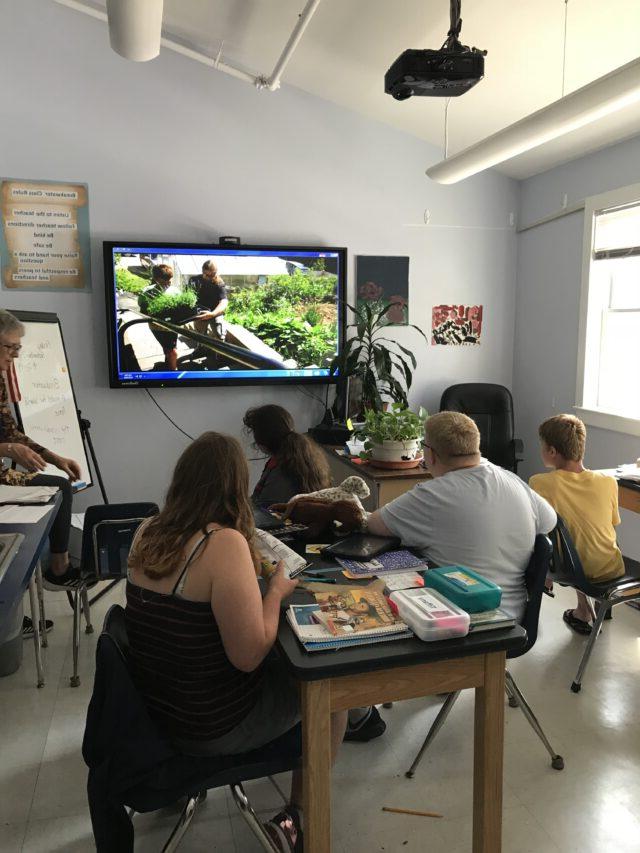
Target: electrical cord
x: 171, y: 421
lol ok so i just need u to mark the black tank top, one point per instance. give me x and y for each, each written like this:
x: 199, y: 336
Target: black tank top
x: 178, y: 663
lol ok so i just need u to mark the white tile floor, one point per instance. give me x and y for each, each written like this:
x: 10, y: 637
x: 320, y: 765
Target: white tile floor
x: 590, y: 807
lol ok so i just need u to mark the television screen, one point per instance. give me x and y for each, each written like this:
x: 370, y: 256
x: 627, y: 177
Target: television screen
x: 192, y: 314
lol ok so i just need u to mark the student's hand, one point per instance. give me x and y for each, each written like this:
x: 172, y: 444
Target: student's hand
x: 28, y: 458
x: 69, y: 466
x: 280, y: 583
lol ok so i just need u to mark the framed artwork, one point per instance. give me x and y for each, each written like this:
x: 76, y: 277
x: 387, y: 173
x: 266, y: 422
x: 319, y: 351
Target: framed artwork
x: 456, y: 325
x: 44, y: 235
x: 384, y: 280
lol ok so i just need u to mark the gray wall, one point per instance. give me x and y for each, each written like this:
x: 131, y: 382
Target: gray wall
x: 548, y: 297
x: 173, y: 150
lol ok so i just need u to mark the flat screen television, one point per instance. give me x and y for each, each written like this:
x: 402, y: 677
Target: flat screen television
x: 196, y: 314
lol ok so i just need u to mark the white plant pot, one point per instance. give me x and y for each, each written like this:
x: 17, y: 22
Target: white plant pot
x: 396, y: 451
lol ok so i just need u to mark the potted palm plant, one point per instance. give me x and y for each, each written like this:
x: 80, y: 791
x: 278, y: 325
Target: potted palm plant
x: 383, y: 366
x: 392, y: 437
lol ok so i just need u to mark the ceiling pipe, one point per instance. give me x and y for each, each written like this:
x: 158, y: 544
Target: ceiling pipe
x: 615, y: 91
x: 135, y: 28
x: 260, y: 81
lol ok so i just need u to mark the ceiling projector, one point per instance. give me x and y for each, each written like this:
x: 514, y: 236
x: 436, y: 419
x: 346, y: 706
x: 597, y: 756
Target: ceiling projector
x: 444, y: 73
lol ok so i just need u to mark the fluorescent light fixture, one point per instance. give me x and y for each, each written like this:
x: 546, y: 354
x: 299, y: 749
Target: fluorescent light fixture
x: 608, y: 94
x: 135, y: 28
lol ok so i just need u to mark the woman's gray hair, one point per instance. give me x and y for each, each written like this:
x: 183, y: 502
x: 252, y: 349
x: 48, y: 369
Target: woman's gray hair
x: 9, y: 323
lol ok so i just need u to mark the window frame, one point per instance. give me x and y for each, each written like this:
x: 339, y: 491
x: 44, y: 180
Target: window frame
x: 591, y: 415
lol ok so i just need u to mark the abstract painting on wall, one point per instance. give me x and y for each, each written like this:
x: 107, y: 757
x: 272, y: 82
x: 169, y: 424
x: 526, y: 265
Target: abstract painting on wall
x: 384, y: 280
x: 456, y: 325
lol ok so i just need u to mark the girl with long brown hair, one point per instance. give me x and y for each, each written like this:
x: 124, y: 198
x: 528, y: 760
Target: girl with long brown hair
x: 296, y: 464
x: 200, y: 634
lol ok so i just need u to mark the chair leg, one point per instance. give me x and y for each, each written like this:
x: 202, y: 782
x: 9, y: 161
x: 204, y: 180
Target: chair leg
x: 182, y: 825
x: 557, y: 761
x: 576, y: 687
x: 437, y: 724
x: 86, y: 609
x: 77, y: 600
x: 242, y: 802
x: 513, y: 702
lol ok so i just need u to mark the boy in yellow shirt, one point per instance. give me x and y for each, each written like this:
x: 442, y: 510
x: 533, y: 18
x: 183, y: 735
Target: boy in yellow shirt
x: 586, y: 500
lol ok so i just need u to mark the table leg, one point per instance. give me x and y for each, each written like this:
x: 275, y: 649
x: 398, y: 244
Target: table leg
x: 43, y: 620
x: 316, y: 766
x: 488, y: 754
x: 35, y: 618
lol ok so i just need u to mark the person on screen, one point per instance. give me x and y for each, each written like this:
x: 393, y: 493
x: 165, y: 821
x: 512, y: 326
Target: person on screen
x: 194, y: 607
x: 161, y: 282
x: 295, y: 465
x: 212, y: 301
x: 32, y: 459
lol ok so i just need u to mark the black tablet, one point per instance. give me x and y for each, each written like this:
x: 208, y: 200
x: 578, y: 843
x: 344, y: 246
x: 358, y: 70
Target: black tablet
x: 362, y: 546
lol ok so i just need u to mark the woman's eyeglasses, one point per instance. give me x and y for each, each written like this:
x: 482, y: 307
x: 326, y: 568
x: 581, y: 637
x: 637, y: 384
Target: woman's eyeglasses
x: 14, y: 349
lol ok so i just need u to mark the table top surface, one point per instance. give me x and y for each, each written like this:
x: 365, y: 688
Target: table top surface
x: 17, y: 576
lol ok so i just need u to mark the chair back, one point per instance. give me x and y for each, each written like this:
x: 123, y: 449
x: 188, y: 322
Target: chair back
x: 534, y: 578
x: 566, y: 565
x: 491, y: 407
x: 107, y: 535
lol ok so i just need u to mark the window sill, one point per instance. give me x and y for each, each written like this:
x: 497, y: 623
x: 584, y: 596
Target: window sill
x: 609, y: 420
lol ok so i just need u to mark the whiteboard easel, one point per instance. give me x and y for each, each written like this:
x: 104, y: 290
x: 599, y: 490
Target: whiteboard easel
x: 48, y: 412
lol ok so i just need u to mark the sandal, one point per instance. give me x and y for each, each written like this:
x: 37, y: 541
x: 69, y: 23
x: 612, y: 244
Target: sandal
x: 549, y: 592
x: 578, y: 625
x: 285, y: 830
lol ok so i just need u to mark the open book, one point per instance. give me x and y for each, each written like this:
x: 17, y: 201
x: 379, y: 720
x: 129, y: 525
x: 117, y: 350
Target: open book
x: 26, y: 494
x: 346, y: 616
x: 272, y: 550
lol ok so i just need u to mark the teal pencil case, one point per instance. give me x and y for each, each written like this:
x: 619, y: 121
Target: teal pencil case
x: 464, y: 587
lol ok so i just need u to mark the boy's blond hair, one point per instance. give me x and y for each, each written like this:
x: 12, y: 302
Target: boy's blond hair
x: 566, y: 434
x: 452, y: 434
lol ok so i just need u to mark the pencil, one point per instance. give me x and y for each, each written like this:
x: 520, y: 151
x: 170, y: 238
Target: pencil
x: 410, y: 811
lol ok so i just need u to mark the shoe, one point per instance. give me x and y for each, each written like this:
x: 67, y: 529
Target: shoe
x: 285, y: 830
x: 369, y: 727
x: 27, y: 627
x: 578, y: 625
x: 69, y: 580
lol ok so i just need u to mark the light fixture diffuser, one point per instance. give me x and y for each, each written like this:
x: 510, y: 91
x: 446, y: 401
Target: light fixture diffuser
x: 606, y: 95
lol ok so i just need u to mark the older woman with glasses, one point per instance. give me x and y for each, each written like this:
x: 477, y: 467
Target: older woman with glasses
x: 32, y: 459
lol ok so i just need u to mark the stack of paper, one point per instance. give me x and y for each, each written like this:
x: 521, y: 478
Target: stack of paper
x: 26, y: 494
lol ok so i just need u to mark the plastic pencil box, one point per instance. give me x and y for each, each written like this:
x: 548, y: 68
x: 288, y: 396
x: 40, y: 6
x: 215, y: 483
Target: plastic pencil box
x: 429, y: 615
x: 464, y: 587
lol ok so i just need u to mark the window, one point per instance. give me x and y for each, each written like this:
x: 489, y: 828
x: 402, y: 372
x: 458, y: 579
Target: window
x: 608, y: 384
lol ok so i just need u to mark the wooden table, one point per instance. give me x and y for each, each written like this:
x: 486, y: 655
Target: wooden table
x: 384, y: 485
x: 390, y: 672
x: 628, y: 496
x: 24, y: 573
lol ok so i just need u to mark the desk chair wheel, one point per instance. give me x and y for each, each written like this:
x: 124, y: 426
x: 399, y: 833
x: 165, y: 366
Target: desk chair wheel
x: 89, y: 629
x: 557, y: 762
x: 74, y: 681
x: 576, y: 687
x: 387, y: 704
x: 513, y: 702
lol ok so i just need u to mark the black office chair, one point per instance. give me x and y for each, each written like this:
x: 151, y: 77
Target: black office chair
x: 107, y: 535
x: 491, y: 407
x: 567, y: 570
x: 535, y: 575
x: 133, y: 769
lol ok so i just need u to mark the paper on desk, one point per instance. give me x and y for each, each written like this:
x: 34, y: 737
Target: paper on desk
x: 27, y: 494
x: 13, y: 514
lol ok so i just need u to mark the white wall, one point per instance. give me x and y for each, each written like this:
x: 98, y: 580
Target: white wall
x: 548, y: 297
x: 173, y: 150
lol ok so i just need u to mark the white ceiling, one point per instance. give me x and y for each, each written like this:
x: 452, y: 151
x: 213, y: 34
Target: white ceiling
x: 349, y: 45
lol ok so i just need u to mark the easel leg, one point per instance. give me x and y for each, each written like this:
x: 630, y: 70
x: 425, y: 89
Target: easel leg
x: 33, y: 602
x: 316, y: 765
x: 43, y: 620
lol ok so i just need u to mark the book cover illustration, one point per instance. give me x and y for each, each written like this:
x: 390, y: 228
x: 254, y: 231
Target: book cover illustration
x: 353, y: 609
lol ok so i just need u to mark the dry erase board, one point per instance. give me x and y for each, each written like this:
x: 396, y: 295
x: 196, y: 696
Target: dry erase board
x: 47, y: 410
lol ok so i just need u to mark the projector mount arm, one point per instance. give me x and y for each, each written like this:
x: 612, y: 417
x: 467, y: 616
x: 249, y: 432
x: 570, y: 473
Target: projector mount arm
x: 452, y: 42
